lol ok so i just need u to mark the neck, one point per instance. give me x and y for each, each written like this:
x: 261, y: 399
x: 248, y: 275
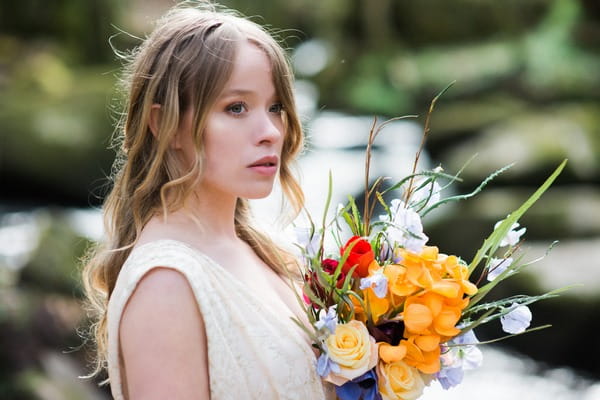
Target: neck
x: 215, y: 215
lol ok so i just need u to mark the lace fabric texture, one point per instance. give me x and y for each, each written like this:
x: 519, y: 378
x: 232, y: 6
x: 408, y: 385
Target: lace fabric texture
x: 254, y: 350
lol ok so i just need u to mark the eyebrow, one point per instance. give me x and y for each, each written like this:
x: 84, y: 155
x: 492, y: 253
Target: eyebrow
x: 233, y: 92
x: 240, y: 92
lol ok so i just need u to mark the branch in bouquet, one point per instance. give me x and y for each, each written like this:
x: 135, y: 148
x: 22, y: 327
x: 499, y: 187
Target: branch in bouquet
x: 351, y: 304
x: 324, y: 220
x: 477, y: 190
x: 472, y: 325
x: 536, y: 328
x: 420, y: 205
x: 368, y: 169
x: 436, y: 174
x: 520, y: 299
x: 313, y: 297
x: 505, y: 306
x: 373, y: 133
x: 309, y: 332
x: 374, y: 188
x: 511, y: 270
x: 354, y: 221
x: 424, y: 137
x: 491, y: 244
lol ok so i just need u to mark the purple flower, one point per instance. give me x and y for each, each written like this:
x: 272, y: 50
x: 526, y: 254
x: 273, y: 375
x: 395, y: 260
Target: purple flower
x: 450, y: 377
x: 517, y: 320
x: 327, y: 319
x: 325, y: 365
x: 362, y: 388
x: 462, y: 355
x: 498, y: 266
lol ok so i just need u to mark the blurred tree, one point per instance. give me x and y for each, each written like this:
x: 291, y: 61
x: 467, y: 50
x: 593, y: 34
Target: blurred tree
x: 82, y: 27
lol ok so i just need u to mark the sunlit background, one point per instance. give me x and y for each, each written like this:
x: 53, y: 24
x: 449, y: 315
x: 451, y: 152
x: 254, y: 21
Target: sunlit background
x: 527, y: 91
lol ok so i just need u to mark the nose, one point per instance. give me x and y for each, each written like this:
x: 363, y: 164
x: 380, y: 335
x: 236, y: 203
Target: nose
x: 269, y: 128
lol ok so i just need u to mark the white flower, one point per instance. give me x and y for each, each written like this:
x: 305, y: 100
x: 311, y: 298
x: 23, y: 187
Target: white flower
x: 309, y: 243
x: 405, y: 227
x: 513, y: 236
x: 498, y: 266
x: 379, y: 280
x: 517, y: 320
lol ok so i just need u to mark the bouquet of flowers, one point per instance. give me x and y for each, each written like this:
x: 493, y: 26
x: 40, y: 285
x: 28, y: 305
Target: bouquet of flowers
x: 388, y: 312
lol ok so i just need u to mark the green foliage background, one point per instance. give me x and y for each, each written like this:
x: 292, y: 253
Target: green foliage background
x: 528, y: 87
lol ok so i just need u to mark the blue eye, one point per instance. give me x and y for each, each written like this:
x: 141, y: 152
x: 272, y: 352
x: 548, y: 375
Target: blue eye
x: 237, y: 108
x: 276, y: 108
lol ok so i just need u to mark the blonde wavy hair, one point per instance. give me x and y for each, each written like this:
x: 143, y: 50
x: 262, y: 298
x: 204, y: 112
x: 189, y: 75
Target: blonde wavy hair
x: 184, y: 63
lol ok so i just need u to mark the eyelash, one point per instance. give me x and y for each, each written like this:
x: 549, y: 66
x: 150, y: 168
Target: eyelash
x: 279, y: 108
x: 231, y: 107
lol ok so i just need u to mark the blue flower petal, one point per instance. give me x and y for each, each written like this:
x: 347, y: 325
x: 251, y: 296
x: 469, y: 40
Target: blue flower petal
x: 323, y: 365
x: 349, y: 391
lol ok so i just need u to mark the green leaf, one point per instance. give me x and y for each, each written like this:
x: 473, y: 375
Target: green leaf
x: 327, y: 204
x: 490, y: 245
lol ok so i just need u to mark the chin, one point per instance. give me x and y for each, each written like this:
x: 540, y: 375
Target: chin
x: 259, y: 191
x: 257, y: 195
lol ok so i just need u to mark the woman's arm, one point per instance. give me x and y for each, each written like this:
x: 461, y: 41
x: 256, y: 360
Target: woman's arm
x: 163, y: 340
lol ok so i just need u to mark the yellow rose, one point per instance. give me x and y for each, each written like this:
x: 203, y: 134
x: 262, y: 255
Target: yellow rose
x: 399, y: 381
x: 353, y: 349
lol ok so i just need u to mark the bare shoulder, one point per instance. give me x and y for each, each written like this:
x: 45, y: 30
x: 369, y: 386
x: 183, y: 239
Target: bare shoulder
x: 163, y: 341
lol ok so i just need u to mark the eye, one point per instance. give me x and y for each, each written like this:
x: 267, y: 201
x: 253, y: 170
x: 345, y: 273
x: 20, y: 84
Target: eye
x: 276, y: 108
x: 237, y: 108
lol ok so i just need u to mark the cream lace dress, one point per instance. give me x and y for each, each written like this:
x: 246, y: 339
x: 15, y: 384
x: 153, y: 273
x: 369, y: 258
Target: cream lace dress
x: 254, y: 350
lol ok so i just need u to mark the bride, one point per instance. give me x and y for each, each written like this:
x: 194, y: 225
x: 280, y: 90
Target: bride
x: 192, y: 301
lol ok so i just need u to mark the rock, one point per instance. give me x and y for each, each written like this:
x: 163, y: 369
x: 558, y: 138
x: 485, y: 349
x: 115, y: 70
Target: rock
x: 456, y: 120
x: 565, y: 266
x: 54, y: 265
x: 535, y: 141
x: 58, y: 380
x: 562, y: 212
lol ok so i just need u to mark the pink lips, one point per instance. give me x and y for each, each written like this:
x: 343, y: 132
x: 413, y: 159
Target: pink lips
x: 265, y: 166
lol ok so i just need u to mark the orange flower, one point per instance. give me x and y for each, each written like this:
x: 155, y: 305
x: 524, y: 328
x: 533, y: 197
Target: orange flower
x: 432, y: 314
x: 426, y: 361
x: 389, y: 353
x: 437, y: 272
x: 421, y: 352
x: 398, y: 285
x: 376, y: 306
x: 460, y: 273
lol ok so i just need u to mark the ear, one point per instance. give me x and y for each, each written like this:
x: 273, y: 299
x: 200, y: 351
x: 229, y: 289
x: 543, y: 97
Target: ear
x: 154, y: 122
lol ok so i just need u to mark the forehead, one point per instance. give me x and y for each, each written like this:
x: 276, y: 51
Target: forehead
x: 251, y: 65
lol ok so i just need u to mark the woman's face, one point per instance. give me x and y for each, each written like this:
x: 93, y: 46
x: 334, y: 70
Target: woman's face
x: 244, y: 133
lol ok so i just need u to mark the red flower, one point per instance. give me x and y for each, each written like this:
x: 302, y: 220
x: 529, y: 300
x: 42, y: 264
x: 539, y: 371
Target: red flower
x: 361, y: 255
x: 329, y: 265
